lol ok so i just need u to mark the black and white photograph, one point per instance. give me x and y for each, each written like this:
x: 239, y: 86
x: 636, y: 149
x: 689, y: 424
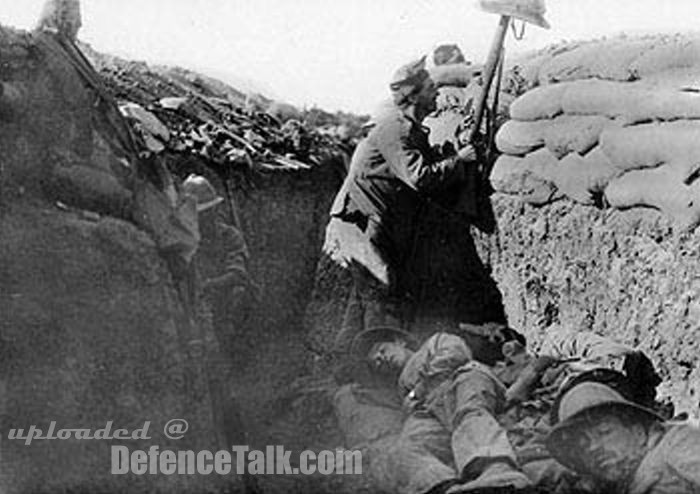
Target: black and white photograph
x: 350, y: 247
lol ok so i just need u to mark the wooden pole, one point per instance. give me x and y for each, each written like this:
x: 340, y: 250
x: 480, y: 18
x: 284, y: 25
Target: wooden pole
x: 489, y: 72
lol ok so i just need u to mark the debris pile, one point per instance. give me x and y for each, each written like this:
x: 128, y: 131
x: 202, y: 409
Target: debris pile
x: 227, y: 128
x: 612, y: 124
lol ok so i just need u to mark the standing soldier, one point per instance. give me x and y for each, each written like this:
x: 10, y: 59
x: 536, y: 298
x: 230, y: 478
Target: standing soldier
x: 373, y: 218
x: 221, y: 261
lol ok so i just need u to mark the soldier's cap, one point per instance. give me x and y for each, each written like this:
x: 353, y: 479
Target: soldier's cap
x: 411, y: 75
x: 363, y: 341
x: 577, y: 406
x: 448, y: 53
x: 611, y: 378
x: 496, y: 332
x: 200, y: 188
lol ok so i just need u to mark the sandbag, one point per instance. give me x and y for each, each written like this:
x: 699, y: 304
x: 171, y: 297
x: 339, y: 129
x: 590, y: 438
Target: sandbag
x: 574, y: 133
x: 584, y: 178
x: 529, y: 69
x: 677, y: 79
x: 669, y: 52
x: 601, y: 170
x: 89, y: 188
x: 610, y: 59
x: 455, y: 74
x: 649, y: 145
x: 596, y: 97
x: 661, y: 188
x: 520, y: 138
x: 540, y: 102
x: 524, y: 178
x: 562, y: 135
x: 542, y: 163
x: 667, y: 105
x: 618, y: 59
x: 630, y: 102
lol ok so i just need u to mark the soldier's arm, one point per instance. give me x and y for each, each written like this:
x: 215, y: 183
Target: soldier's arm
x: 446, y: 353
x: 584, y: 345
x: 437, y: 358
x: 233, y: 271
x: 414, y: 163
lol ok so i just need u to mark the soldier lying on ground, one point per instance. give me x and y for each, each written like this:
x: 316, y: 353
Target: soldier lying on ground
x: 624, y: 447
x: 472, y: 422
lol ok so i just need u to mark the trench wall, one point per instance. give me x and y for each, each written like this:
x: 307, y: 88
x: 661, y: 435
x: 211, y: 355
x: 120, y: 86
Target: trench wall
x: 626, y: 274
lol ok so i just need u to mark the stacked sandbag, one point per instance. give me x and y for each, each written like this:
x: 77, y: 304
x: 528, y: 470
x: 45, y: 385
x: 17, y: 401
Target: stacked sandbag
x: 622, y: 144
x: 652, y: 57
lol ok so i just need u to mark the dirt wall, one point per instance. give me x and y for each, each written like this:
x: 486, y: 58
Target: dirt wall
x: 92, y: 329
x: 91, y: 332
x: 283, y: 218
x: 627, y: 275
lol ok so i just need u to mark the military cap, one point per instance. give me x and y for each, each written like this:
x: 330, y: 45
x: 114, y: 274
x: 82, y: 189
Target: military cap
x: 412, y: 74
x: 364, y: 341
x: 575, y: 408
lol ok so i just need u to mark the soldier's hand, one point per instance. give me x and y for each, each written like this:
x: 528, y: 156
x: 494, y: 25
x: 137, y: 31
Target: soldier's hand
x: 467, y: 153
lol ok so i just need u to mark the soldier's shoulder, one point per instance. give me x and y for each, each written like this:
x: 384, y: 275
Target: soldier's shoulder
x: 388, y: 116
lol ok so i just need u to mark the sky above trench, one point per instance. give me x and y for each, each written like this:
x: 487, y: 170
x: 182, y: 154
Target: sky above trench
x: 335, y: 54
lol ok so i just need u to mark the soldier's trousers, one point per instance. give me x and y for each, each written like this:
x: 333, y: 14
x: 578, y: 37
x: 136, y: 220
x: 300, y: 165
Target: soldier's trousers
x: 456, y: 437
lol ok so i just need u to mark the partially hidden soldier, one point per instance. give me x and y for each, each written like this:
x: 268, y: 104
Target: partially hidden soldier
x: 137, y: 185
x: 221, y: 260
x: 623, y: 447
x: 62, y: 17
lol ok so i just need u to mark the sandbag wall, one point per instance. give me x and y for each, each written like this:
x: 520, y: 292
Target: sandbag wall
x: 605, y: 126
x: 610, y: 143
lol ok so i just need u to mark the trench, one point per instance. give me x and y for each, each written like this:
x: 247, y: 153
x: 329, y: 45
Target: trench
x: 563, y: 265
x: 92, y: 327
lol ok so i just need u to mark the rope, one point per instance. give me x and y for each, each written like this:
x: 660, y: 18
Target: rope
x: 518, y: 35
